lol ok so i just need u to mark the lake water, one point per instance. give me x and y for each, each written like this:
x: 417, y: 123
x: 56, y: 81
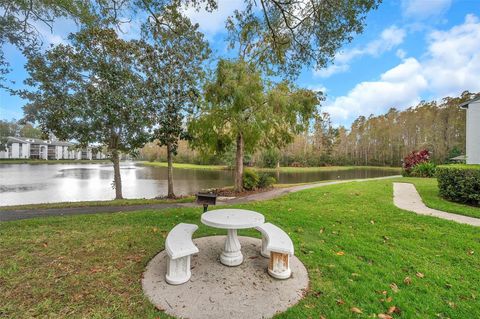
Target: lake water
x: 42, y: 183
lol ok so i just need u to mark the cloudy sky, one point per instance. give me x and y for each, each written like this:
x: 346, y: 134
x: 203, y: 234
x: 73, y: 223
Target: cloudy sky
x: 411, y: 50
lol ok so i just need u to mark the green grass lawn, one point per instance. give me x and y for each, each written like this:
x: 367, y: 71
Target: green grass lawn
x: 116, y: 202
x: 36, y: 161
x: 184, y: 165
x: 428, y: 190
x: 358, y: 248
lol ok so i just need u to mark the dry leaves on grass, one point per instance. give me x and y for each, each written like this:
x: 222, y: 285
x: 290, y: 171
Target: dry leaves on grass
x: 340, y: 302
x: 356, y: 310
x: 394, y: 309
x: 340, y: 253
x: 384, y: 316
x: 420, y: 275
x: 407, y: 280
x: 394, y: 287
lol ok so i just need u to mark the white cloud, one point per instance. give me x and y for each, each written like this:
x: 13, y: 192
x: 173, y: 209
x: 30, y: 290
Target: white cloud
x: 398, y: 86
x: 454, y: 58
x: 212, y: 23
x: 450, y: 66
x: 422, y: 9
x: 388, y: 39
x: 401, y: 53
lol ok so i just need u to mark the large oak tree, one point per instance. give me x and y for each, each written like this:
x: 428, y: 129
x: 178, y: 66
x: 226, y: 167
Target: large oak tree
x: 90, y: 92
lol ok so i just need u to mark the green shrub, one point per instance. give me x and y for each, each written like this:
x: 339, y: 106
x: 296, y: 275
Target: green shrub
x: 270, y: 158
x: 250, y: 179
x: 459, y: 183
x: 425, y: 169
x: 266, y: 180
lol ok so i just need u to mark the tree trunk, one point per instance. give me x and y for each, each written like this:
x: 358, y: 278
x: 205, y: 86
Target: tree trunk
x: 171, y: 194
x: 117, y: 178
x: 239, y: 164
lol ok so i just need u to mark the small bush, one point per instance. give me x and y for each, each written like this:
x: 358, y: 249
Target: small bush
x: 270, y: 158
x: 250, y: 179
x: 459, y: 183
x: 413, y: 159
x: 266, y: 180
x: 425, y: 169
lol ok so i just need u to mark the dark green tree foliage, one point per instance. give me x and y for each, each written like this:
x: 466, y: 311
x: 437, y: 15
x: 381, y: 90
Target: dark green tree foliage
x: 238, y: 110
x: 286, y: 36
x: 172, y: 60
x: 90, y: 92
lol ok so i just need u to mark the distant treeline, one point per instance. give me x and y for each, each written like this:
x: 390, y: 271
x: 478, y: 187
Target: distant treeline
x: 375, y: 140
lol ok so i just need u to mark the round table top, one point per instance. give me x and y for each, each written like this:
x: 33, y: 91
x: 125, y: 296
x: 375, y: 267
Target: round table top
x: 232, y: 218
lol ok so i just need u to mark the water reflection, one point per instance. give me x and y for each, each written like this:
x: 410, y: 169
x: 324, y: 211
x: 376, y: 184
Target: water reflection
x: 28, y: 184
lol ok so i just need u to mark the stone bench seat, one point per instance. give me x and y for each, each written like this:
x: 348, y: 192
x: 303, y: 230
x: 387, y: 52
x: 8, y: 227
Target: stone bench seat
x: 179, y: 247
x: 276, y: 245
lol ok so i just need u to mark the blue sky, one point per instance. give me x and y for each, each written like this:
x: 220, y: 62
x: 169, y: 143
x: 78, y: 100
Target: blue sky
x: 410, y: 50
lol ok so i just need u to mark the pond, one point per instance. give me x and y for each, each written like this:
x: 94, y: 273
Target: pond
x: 46, y: 183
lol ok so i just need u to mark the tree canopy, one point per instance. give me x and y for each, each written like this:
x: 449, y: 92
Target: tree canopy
x: 172, y: 62
x: 91, y: 92
x: 241, y: 110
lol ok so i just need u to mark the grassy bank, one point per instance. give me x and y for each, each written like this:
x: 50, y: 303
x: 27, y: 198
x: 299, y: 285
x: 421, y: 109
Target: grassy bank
x: 281, y: 169
x: 428, y: 190
x: 360, y: 251
x: 36, y: 161
x: 116, y: 202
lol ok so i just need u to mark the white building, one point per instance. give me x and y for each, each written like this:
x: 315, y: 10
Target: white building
x: 473, y: 130
x: 32, y: 148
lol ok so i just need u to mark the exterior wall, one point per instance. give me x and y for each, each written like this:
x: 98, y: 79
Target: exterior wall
x: 15, y: 150
x: 4, y: 154
x: 473, y: 133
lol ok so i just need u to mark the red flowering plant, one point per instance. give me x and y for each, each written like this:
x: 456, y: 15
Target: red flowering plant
x: 415, y: 158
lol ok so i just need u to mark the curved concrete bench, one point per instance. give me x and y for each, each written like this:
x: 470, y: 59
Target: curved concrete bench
x: 276, y: 245
x: 180, y: 247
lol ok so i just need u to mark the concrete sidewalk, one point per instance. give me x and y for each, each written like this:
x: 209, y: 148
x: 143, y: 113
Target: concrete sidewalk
x: 406, y: 197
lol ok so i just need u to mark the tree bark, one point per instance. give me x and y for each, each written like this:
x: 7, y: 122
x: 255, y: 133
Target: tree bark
x: 171, y: 194
x: 116, y: 174
x: 239, y: 164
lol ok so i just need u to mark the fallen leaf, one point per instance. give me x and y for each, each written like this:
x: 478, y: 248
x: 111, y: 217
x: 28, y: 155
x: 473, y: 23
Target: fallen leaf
x: 322, y: 230
x: 340, y: 253
x: 470, y: 252
x: 355, y: 310
x: 394, y: 287
x: 340, y: 302
x: 154, y: 229
x: 372, y: 222
x: 452, y: 304
x: 420, y: 275
x: 393, y: 309
x: 384, y: 316
x: 45, y: 244
x: 389, y: 299
x: 322, y: 317
x: 407, y: 280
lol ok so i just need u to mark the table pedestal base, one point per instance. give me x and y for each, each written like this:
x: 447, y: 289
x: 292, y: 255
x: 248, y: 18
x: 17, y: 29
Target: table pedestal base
x: 231, y: 255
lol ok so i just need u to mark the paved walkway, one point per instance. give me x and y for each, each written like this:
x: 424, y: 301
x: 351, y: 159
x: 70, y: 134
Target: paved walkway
x: 9, y: 215
x: 405, y: 196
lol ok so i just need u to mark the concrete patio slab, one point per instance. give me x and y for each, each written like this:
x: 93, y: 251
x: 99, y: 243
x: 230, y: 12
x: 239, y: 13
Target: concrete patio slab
x: 218, y: 291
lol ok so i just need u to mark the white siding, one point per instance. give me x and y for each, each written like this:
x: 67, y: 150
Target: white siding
x: 15, y: 150
x: 473, y: 133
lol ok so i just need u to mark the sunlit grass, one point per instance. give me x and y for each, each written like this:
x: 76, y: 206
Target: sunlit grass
x: 357, y: 246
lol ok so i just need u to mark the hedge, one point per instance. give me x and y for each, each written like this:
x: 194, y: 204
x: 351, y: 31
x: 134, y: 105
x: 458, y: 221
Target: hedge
x: 459, y: 183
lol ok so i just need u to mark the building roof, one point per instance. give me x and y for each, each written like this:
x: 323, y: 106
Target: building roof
x: 29, y: 140
x: 464, y: 105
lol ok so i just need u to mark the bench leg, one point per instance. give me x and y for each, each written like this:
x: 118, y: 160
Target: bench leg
x: 279, y: 265
x: 264, y: 252
x: 178, y: 270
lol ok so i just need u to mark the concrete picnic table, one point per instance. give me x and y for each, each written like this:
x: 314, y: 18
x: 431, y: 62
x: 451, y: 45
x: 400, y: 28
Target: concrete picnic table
x: 232, y: 219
